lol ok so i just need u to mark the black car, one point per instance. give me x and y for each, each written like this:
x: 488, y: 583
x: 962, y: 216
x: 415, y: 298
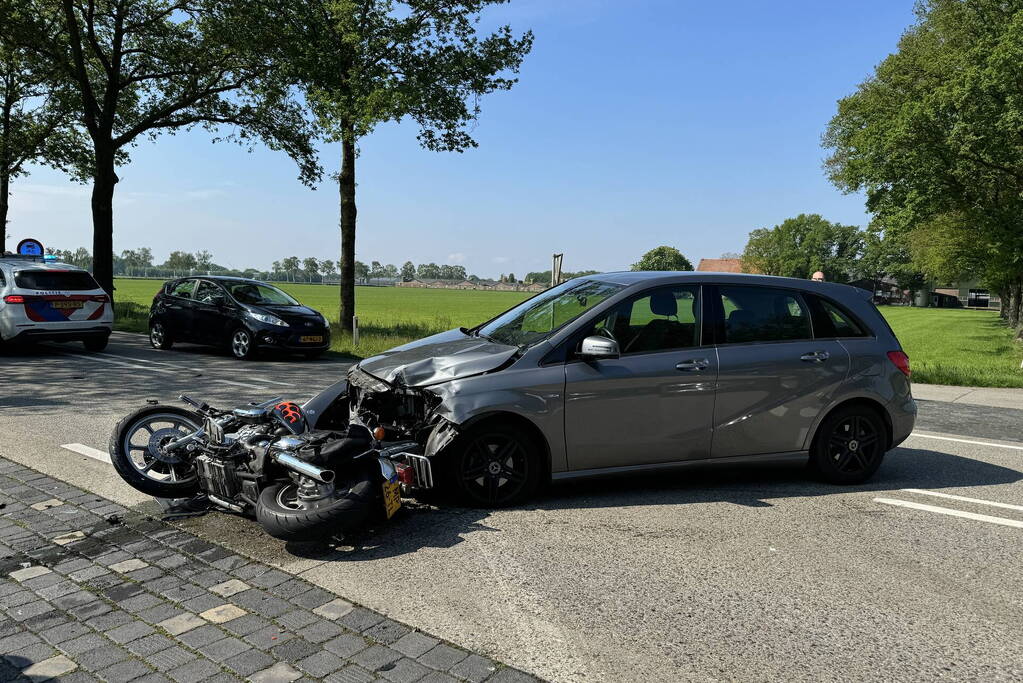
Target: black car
x: 240, y: 314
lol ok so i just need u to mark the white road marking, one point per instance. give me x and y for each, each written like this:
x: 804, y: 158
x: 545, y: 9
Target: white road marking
x: 949, y: 511
x: 950, y: 496
x: 239, y: 384
x: 137, y: 360
x: 971, y: 441
x: 118, y: 363
x: 89, y: 451
x: 271, y: 381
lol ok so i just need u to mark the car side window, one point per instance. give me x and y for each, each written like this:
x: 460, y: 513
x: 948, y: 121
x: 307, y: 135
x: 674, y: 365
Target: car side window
x: 763, y: 314
x: 183, y: 289
x: 208, y: 293
x: 661, y: 319
x: 832, y: 321
x: 843, y: 323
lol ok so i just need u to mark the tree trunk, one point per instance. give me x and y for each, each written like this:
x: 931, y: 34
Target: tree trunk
x: 103, y: 182
x: 346, y: 188
x: 5, y: 193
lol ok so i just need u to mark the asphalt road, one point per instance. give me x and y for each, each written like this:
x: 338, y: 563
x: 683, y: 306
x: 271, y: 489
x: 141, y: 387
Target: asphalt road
x: 718, y: 574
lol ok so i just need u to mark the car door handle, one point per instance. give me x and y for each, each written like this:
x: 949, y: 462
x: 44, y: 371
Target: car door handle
x: 815, y: 356
x: 692, y: 365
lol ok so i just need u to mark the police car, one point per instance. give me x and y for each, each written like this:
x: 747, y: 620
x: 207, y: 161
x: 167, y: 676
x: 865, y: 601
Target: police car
x: 42, y: 300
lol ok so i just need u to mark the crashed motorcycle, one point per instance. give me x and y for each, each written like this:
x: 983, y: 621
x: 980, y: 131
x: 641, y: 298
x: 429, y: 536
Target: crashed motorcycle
x: 269, y: 460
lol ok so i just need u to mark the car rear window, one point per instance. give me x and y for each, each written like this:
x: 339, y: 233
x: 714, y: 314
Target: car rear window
x: 68, y: 280
x: 763, y: 314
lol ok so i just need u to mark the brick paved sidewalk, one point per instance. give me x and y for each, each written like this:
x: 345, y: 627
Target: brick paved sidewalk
x: 91, y: 591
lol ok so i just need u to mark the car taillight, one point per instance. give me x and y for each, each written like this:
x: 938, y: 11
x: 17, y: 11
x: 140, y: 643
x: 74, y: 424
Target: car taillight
x: 901, y: 361
x: 406, y: 475
x: 14, y: 299
x: 100, y: 298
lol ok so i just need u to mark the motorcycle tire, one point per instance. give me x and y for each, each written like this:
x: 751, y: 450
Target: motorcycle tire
x: 357, y: 496
x: 130, y: 473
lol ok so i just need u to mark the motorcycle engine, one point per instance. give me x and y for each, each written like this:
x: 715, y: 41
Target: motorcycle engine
x: 218, y: 469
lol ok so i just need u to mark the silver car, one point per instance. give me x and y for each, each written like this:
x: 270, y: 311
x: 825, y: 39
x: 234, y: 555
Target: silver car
x: 642, y: 370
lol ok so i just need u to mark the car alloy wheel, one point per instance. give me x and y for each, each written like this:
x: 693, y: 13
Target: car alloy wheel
x: 241, y: 344
x: 495, y: 468
x: 157, y: 335
x: 854, y: 445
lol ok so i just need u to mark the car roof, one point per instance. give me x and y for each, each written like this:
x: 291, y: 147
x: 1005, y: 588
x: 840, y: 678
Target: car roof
x: 220, y: 278
x: 36, y: 264
x: 631, y: 279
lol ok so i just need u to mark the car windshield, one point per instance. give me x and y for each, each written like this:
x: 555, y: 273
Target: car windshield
x: 539, y: 317
x: 259, y: 294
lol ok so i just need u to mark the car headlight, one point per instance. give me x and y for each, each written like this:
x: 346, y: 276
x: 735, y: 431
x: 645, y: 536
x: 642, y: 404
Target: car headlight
x: 267, y: 318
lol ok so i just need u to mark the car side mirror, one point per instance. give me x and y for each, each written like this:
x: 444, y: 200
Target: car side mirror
x: 597, y: 348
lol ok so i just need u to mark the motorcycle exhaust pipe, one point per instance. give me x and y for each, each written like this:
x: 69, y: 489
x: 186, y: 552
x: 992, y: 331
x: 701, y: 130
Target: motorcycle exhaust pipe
x: 304, y: 468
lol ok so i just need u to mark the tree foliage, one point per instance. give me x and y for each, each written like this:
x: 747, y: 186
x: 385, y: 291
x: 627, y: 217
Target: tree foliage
x: 933, y: 139
x: 138, y: 68
x: 663, y: 258
x: 362, y: 63
x: 799, y: 246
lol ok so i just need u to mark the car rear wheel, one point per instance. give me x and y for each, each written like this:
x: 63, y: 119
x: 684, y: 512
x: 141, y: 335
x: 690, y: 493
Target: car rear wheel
x: 849, y: 446
x: 243, y: 344
x: 159, y: 338
x: 495, y: 465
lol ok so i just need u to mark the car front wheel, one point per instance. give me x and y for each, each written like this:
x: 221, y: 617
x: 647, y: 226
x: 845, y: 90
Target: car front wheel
x: 159, y: 338
x: 849, y: 446
x: 243, y: 344
x: 495, y: 465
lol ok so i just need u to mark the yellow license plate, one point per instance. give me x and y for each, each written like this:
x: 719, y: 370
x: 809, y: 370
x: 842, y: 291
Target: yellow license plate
x: 392, y: 497
x: 68, y: 305
x: 317, y: 338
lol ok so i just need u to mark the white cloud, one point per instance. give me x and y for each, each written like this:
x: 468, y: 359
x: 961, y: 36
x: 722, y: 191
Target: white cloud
x: 457, y: 257
x: 501, y: 259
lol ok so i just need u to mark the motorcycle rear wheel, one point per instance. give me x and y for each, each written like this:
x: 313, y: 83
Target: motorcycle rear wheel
x: 137, y: 456
x: 283, y: 516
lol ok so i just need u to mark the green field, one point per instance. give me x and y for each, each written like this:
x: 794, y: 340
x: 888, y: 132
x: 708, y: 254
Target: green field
x: 945, y: 346
x: 388, y: 316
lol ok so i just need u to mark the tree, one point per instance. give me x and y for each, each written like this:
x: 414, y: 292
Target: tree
x: 428, y: 271
x: 311, y: 266
x: 804, y: 244
x: 361, y: 271
x: 141, y: 67
x: 180, y: 262
x: 276, y: 268
x: 203, y: 260
x: 933, y: 137
x: 361, y: 64
x: 290, y: 265
x: 662, y: 258
x: 328, y: 268
x: 34, y: 110
x: 408, y: 271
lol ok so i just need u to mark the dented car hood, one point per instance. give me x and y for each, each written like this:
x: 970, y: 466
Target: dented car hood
x: 440, y: 358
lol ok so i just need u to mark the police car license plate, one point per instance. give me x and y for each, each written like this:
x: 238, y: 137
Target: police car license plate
x: 392, y: 497
x: 310, y: 339
x: 67, y: 305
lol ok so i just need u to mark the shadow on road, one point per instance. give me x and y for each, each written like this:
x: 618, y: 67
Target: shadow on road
x: 755, y: 486
x: 427, y: 526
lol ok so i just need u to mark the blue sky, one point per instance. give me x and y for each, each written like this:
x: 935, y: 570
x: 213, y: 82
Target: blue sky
x: 634, y: 124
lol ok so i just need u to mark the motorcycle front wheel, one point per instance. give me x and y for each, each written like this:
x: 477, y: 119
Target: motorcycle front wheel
x: 137, y: 451
x: 284, y: 515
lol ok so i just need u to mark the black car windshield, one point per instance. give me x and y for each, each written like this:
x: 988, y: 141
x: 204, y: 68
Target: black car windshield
x: 539, y: 317
x: 67, y: 280
x: 258, y: 294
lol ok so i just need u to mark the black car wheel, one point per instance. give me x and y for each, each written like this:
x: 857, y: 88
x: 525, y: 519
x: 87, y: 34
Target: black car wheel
x: 159, y: 338
x: 243, y: 344
x: 496, y: 466
x: 849, y: 446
